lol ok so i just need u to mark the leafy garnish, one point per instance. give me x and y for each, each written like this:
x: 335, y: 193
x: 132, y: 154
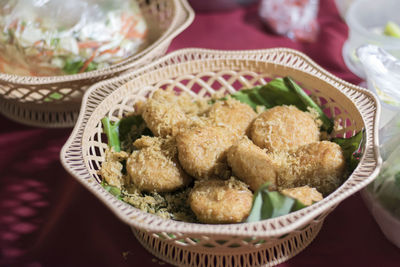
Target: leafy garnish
x: 282, y: 92
x: 75, y: 66
x: 270, y: 204
x: 92, y: 66
x: 119, y: 131
x: 270, y: 95
x: 126, y: 124
x: 112, y: 132
x: 72, y: 67
x: 115, y: 191
x: 250, y: 97
x: 53, y: 96
x: 327, y: 124
x: 352, y: 148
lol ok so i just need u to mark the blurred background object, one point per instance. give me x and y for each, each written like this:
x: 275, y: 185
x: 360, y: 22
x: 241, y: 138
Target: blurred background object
x: 37, y: 40
x: 383, y: 78
x: 382, y: 196
x: 297, y: 19
x: 372, y: 52
x: 367, y: 20
x: 342, y: 6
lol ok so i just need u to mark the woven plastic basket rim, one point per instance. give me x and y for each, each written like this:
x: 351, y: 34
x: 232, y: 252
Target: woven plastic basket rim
x: 182, y: 10
x: 252, y: 229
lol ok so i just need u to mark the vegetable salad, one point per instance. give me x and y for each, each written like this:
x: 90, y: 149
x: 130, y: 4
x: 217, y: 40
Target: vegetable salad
x: 39, y: 40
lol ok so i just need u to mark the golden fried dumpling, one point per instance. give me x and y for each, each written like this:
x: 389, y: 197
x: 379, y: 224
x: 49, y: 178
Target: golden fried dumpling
x: 221, y: 201
x: 163, y: 115
x: 154, y: 166
x: 321, y: 165
x: 232, y: 114
x: 252, y: 165
x: 284, y: 128
x: 202, y: 151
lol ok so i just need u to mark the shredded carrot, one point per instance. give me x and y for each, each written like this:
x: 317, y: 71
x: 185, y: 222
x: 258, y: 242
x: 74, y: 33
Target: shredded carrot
x: 13, y: 24
x: 124, y: 28
x: 110, y: 51
x: 128, y: 23
x: 124, y: 17
x: 135, y: 34
x: 87, y: 62
x: 38, y: 42
x: 46, y: 53
x: 89, y: 44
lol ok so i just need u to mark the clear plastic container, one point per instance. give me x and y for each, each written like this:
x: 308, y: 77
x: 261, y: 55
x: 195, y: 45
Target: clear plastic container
x: 342, y: 6
x: 389, y: 225
x: 383, y: 78
x: 366, y: 20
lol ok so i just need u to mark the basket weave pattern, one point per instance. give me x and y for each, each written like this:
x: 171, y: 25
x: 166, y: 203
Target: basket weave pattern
x: 201, y: 73
x: 54, y: 101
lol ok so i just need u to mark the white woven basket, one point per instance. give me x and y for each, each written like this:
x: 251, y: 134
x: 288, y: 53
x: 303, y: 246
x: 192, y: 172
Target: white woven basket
x: 25, y: 98
x: 202, y: 72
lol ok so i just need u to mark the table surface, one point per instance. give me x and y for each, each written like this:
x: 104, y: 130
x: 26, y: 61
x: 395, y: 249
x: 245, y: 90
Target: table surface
x: 48, y: 219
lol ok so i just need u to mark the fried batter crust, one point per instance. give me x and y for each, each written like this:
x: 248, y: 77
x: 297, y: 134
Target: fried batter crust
x: 319, y: 164
x: 155, y: 167
x: 202, y: 151
x: 252, y: 165
x: 284, y: 128
x: 220, y: 201
x: 232, y: 114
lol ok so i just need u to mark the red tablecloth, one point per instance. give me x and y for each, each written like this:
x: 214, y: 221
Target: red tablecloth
x: 48, y: 219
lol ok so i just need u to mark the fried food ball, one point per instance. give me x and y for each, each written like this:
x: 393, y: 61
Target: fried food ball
x: 162, y: 114
x: 321, y: 165
x: 154, y: 166
x: 232, y: 114
x: 252, y: 164
x: 167, y: 114
x: 190, y: 106
x: 284, y: 128
x: 111, y: 168
x: 220, y: 201
x: 183, y: 100
x: 305, y: 194
x: 202, y: 150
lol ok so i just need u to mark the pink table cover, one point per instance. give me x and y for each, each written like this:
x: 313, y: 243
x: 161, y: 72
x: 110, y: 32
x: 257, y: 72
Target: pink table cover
x: 48, y: 219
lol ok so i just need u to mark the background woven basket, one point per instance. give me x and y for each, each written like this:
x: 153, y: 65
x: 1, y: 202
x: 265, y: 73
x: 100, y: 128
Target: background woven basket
x: 202, y: 72
x: 30, y: 100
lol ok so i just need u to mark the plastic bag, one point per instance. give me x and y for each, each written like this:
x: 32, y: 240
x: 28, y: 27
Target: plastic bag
x: 389, y: 137
x: 55, y: 37
x: 382, y: 196
x: 386, y: 188
x: 296, y: 19
x: 383, y: 74
x: 343, y: 6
